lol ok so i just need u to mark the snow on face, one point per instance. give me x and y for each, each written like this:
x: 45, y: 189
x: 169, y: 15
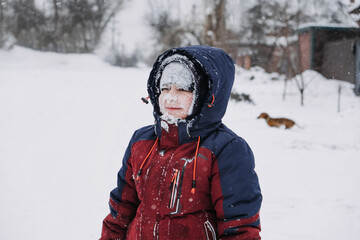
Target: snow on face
x: 176, y: 99
x: 178, y: 74
x: 175, y: 103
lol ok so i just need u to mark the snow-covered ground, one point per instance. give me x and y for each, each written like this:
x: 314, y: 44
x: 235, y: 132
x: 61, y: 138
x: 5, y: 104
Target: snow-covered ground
x: 65, y: 121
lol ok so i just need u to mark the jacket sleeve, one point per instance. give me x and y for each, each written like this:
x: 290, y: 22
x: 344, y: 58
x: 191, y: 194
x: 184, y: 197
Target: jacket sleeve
x: 123, y: 202
x: 236, y: 192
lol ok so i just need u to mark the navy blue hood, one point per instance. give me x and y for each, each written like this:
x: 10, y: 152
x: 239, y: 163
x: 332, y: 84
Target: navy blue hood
x: 219, y: 71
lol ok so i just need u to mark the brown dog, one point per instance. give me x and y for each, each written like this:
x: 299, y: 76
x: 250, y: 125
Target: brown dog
x: 277, y: 122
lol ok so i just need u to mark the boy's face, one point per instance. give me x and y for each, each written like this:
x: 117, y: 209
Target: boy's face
x: 175, y: 101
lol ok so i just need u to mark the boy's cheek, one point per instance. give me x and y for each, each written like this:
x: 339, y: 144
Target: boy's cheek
x: 168, y: 98
x: 162, y: 99
x: 161, y: 105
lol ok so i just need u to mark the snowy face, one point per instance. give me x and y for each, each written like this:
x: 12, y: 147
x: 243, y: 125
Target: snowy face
x: 179, y: 74
x: 175, y: 101
x: 177, y: 86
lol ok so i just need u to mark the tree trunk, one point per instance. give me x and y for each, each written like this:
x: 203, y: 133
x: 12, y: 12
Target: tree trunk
x: 339, y: 95
x: 302, y: 96
x: 220, y: 26
x: 285, y: 86
x: 55, y: 31
x: 2, y: 30
x: 215, y: 24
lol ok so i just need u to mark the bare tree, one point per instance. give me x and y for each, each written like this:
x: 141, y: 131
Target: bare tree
x: 2, y: 24
x: 215, y: 23
x: 203, y: 27
x: 271, y: 26
x: 169, y: 30
x: 296, y: 64
x: 68, y: 26
x: 4, y: 21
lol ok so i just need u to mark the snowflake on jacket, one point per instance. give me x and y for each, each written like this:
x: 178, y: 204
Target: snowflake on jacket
x: 193, y: 178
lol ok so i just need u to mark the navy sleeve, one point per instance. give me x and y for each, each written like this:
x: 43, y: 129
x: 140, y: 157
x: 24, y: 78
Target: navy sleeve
x: 123, y: 201
x: 236, y: 192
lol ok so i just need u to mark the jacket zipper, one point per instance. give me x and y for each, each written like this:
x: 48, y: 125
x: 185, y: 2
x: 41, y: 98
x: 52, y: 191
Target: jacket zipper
x: 209, y: 228
x: 174, y: 186
x: 178, y: 195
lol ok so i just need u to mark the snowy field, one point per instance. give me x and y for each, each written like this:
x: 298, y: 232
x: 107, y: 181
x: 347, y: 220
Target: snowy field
x: 65, y: 121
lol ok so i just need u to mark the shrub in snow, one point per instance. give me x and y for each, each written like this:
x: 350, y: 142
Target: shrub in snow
x: 241, y: 97
x: 122, y: 59
x: 7, y: 41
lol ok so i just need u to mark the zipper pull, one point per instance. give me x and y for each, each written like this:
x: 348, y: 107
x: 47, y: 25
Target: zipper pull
x: 173, y: 188
x: 173, y: 178
x: 175, y: 175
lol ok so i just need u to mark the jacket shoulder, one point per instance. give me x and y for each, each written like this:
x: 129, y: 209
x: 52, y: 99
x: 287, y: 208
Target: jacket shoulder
x: 144, y: 133
x: 222, y: 138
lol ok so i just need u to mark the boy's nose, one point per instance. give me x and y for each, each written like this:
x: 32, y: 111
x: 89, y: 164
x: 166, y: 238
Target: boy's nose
x: 173, y: 90
x: 172, y: 97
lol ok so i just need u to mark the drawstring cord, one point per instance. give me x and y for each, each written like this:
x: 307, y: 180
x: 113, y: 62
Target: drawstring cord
x: 196, y: 154
x: 145, y: 99
x: 141, y: 167
x: 212, y: 103
x: 194, y: 171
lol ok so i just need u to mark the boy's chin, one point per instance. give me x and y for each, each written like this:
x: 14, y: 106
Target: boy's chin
x: 170, y: 118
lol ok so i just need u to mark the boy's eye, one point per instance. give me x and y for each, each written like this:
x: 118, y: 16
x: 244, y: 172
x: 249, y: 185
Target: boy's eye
x: 165, y: 89
x: 183, y: 90
x: 180, y: 88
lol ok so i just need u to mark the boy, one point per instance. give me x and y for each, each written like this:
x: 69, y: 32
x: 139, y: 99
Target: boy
x: 188, y: 176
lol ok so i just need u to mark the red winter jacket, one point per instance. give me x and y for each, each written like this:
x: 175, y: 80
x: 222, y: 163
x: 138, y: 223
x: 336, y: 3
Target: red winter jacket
x: 194, y: 180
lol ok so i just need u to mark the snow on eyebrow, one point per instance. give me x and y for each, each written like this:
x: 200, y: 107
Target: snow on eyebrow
x: 173, y: 58
x: 178, y: 74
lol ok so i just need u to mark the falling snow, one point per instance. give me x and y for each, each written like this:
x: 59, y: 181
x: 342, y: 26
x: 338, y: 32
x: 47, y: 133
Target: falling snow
x: 67, y: 119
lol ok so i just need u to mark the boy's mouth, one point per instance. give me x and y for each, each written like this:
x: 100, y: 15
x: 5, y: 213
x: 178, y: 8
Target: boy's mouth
x: 173, y: 108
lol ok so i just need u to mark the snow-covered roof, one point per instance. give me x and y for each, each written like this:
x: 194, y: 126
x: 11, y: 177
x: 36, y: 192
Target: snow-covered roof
x: 327, y: 26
